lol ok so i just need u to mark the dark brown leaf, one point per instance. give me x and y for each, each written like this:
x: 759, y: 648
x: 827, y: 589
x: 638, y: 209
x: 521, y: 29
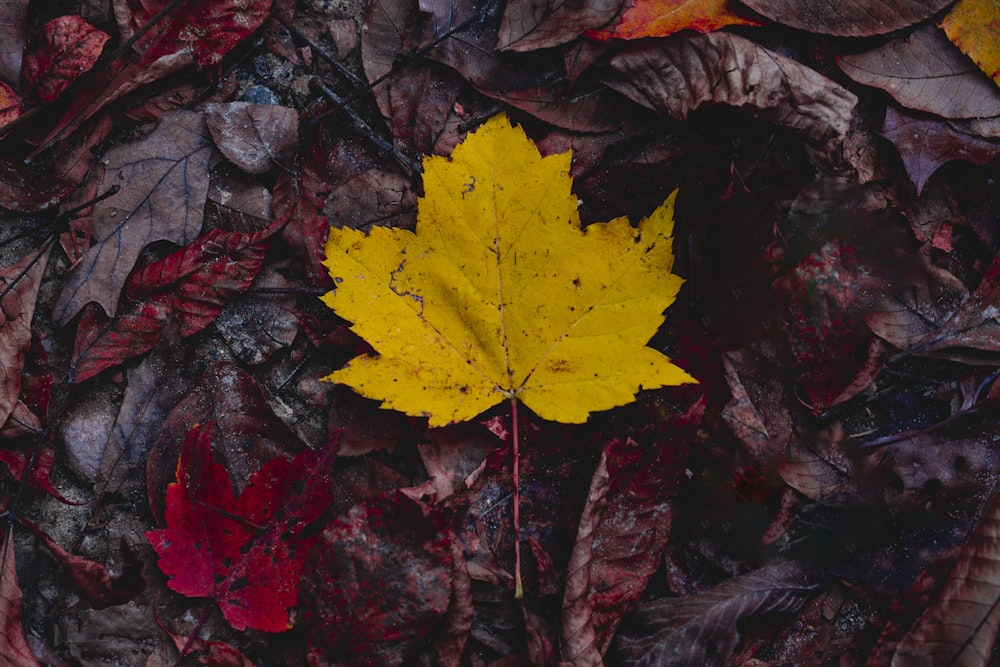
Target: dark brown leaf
x: 23, y: 190
x: 704, y: 629
x: 855, y: 19
x: 64, y: 49
x: 926, y: 144
x: 926, y: 72
x: 164, y: 182
x: 681, y: 73
x: 529, y: 25
x: 254, y: 137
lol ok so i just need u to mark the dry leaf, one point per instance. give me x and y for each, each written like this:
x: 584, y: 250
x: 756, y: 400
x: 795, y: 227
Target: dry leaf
x: 501, y: 295
x: 64, y: 49
x: 659, y: 18
x: 529, y: 25
x: 974, y: 27
x: 254, y: 137
x: 855, y: 19
x: 13, y: 28
x: 19, y: 285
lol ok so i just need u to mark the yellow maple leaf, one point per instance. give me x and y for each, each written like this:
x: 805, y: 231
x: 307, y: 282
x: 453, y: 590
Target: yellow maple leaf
x: 500, y: 294
x: 974, y: 27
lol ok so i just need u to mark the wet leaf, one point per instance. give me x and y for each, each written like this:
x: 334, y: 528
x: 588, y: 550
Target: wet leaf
x: 64, y: 49
x: 924, y: 71
x: 926, y: 144
x: 164, y: 183
x: 246, y: 553
x: 857, y: 19
x: 470, y: 295
x: 189, y: 287
x: 659, y: 18
x: 254, y: 137
x: 974, y: 27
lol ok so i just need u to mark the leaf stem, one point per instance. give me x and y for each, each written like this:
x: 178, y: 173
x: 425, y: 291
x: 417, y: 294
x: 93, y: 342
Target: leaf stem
x: 515, y: 446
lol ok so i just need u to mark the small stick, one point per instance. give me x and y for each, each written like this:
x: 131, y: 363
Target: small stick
x: 515, y: 445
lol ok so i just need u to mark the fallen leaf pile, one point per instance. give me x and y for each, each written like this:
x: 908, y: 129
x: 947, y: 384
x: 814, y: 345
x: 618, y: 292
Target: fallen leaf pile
x: 499, y: 201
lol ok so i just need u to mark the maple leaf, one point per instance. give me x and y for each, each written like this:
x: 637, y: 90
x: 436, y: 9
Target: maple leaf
x: 247, y: 552
x: 500, y: 294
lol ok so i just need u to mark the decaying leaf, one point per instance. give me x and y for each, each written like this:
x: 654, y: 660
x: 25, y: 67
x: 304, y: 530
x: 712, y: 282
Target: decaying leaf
x: 500, y: 294
x: 246, y: 553
x: 254, y: 137
x: 65, y: 48
x: 974, y: 27
x: 855, y: 19
x: 164, y: 182
x: 924, y: 71
x: 659, y: 18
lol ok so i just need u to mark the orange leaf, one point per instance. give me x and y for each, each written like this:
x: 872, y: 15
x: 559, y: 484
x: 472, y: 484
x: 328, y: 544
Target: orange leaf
x: 974, y: 27
x: 659, y: 18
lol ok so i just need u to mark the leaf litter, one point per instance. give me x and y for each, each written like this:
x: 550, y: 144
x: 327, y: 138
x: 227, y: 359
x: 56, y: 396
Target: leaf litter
x: 824, y: 494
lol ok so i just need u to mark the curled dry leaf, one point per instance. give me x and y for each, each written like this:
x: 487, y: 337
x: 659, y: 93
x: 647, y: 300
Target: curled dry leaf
x: 855, y: 19
x: 529, y: 25
x: 683, y: 72
x: 254, y: 137
x: 925, y: 144
x: 924, y: 71
x: 974, y: 27
x: 63, y: 49
x: 659, y: 18
x: 164, y: 183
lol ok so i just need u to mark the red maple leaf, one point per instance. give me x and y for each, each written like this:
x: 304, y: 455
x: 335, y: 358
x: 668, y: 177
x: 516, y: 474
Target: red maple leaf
x: 247, y: 552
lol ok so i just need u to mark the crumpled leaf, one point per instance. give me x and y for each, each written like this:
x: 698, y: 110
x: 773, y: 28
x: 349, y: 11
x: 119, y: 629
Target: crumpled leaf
x: 164, y: 183
x: 659, y: 18
x: 19, y: 285
x: 924, y: 71
x: 13, y: 646
x: 681, y: 73
x: 974, y: 27
x: 856, y: 19
x: 395, y: 542
x: 925, y: 144
x: 254, y: 137
x: 13, y: 32
x: 499, y: 294
x: 65, y: 48
x: 703, y: 629
x: 529, y: 25
x: 960, y: 626
x: 189, y: 287
x: 246, y: 553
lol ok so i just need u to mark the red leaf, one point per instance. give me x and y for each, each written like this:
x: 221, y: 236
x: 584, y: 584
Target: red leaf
x: 64, y: 49
x: 246, y: 553
x: 19, y: 285
x: 13, y: 646
x: 26, y: 191
x: 190, y: 287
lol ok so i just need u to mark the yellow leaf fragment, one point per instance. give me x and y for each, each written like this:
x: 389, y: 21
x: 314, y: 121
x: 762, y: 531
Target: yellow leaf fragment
x: 500, y: 293
x: 974, y: 27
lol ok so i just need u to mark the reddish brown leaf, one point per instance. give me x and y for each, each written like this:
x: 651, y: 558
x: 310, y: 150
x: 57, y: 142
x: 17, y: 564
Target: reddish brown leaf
x: 300, y: 199
x: 529, y: 25
x: 960, y: 627
x: 926, y: 144
x: 11, y: 104
x: 659, y: 18
x: 683, y: 72
x: 63, y: 49
x: 25, y: 191
x: 164, y: 182
x: 17, y: 459
x: 217, y: 654
x: 924, y: 71
x: 246, y: 553
x: 856, y: 19
x: 397, y: 543
x: 189, y: 287
x: 13, y: 646
x: 19, y: 285
x: 254, y: 137
x: 92, y: 579
x: 13, y: 32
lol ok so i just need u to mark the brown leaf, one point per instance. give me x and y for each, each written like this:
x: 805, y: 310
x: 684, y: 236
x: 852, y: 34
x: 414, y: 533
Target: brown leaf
x: 926, y: 144
x: 703, y: 629
x: 855, y: 19
x: 13, y: 646
x: 19, y: 285
x: 529, y: 25
x: 681, y: 73
x: 164, y: 182
x: 925, y: 71
x: 64, y: 48
x: 254, y: 137
x: 960, y: 627
x: 13, y: 32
